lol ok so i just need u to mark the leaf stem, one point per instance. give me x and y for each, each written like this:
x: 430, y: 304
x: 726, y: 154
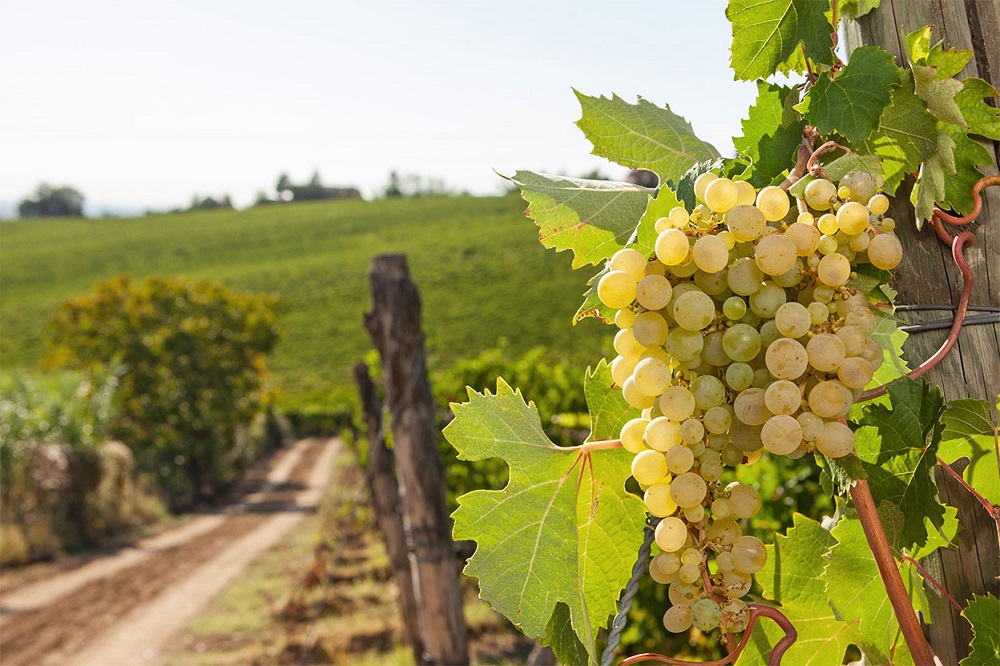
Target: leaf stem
x: 930, y: 579
x: 599, y: 445
x: 817, y: 170
x: 864, y: 504
x: 994, y: 511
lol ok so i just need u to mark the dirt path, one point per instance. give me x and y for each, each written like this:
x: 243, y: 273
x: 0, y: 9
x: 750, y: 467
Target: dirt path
x: 119, y: 609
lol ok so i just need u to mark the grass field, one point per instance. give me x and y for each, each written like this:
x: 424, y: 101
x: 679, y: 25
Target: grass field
x: 477, y: 261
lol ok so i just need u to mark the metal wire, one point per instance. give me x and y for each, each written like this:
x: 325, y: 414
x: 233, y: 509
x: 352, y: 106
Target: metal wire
x: 625, y: 605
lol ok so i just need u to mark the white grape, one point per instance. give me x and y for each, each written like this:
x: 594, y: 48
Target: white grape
x: 878, y: 204
x: 652, y: 376
x: 783, y: 397
x: 820, y: 194
x: 692, y: 431
x: 852, y: 218
x: 744, y: 277
x: 694, y: 310
x: 749, y: 555
x: 677, y: 619
x: 663, y: 568
x: 773, y: 202
x: 710, y: 253
x: 826, y: 352
x: 855, y: 372
x: 629, y: 261
x: 622, y: 367
x: 653, y: 292
x: 786, y: 359
x: 793, y: 320
x: 634, y: 396
x: 648, y: 467
x: 662, y: 434
x: 885, y: 251
x: 679, y: 459
x: 631, y: 435
x: 836, y: 441
x: 724, y: 532
x: 812, y: 426
x: 781, y: 434
x: 741, y: 342
x: 616, y: 289
x: 705, y: 614
x: 708, y: 391
x: 766, y: 301
x: 775, y: 254
x: 677, y: 403
x: 827, y: 399
x: 688, y: 489
x: 672, y: 247
x: 626, y: 344
x: 744, y: 501
x: 805, y: 236
x: 739, y: 376
x: 658, y: 500
x: 834, y: 269
x: 746, y: 193
x: 746, y: 223
x: 717, y: 420
x: 670, y: 534
x: 750, y: 407
x: 694, y: 514
x: 701, y: 184
x: 650, y: 329
x: 624, y: 318
x: 854, y: 339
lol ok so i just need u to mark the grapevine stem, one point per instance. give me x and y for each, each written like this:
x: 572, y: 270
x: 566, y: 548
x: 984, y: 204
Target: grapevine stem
x: 958, y: 254
x: 599, y: 445
x: 980, y: 185
x: 799, y: 170
x: 864, y: 504
x: 817, y: 169
x: 756, y: 610
x: 994, y: 511
x: 933, y: 581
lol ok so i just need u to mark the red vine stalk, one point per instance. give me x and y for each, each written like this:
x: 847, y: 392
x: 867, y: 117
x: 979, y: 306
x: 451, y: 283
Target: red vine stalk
x: 864, y: 504
x: 756, y: 610
x: 931, y: 579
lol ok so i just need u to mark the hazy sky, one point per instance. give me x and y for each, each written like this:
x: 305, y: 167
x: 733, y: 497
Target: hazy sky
x: 147, y: 103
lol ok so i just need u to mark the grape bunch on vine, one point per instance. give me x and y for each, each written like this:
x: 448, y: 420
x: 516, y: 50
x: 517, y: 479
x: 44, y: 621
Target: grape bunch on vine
x: 754, y: 314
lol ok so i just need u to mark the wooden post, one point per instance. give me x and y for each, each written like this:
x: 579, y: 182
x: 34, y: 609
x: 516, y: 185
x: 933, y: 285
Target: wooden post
x: 385, y: 498
x: 928, y: 275
x: 394, y: 327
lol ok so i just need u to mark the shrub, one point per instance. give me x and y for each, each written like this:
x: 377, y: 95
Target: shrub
x: 192, y: 358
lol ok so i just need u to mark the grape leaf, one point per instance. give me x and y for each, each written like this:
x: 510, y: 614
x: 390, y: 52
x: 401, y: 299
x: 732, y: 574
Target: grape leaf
x: 984, y: 615
x: 606, y: 404
x: 641, y: 135
x: 792, y: 580
x: 938, y: 94
x: 969, y: 432
x: 898, y: 448
x: 934, y: 172
x: 948, y: 62
x: 559, y: 636
x: 852, y: 102
x: 982, y: 118
x: 564, y: 530
x: 854, y: 162
x: 944, y: 537
x: 891, y: 339
x: 592, y: 305
x: 767, y: 34
x: 593, y: 218
x: 969, y: 156
x: 772, y: 133
x: 685, y: 184
x: 858, y: 595
x: 906, y: 135
x: 855, y: 9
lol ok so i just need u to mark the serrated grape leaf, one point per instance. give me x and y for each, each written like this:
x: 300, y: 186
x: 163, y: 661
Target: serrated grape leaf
x: 592, y: 305
x: 606, y: 404
x: 855, y: 9
x: 559, y: 636
x: 982, y: 118
x: 969, y: 432
x: 852, y: 101
x: 898, y: 447
x: 767, y: 34
x: 593, y: 218
x: 944, y: 537
x: 791, y: 579
x: 858, y: 594
x: 905, y: 137
x: 930, y: 185
x: 837, y: 168
x: 563, y: 530
x: 948, y: 62
x: 841, y: 472
x: 772, y: 132
x: 641, y: 135
x: 983, y: 613
x: 938, y: 94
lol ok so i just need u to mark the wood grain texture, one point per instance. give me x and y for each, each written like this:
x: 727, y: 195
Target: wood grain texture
x: 928, y: 275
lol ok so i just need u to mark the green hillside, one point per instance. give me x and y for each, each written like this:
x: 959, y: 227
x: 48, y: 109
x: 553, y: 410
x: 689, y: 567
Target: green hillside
x: 477, y: 261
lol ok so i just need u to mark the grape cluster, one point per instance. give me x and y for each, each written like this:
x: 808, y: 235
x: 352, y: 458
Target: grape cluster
x: 740, y: 335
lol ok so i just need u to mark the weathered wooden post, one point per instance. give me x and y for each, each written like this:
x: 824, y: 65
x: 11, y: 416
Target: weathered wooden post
x: 394, y: 327
x: 385, y: 497
x: 928, y: 275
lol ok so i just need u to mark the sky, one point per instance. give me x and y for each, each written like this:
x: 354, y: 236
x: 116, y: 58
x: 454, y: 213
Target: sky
x: 145, y: 104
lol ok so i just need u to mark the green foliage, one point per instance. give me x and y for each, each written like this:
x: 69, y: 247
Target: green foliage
x: 192, y: 358
x: 585, y: 216
x: 772, y: 133
x: 969, y: 432
x: 768, y: 35
x: 579, y: 551
x: 984, y: 615
x: 52, y: 201
x: 642, y: 135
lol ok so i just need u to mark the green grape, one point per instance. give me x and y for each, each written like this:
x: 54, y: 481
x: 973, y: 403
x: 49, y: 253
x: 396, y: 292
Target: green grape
x: 805, y: 236
x: 677, y: 403
x: 650, y: 329
x: 782, y: 397
x: 732, y: 455
x: 745, y: 223
x: 786, y: 359
x: 663, y: 568
x: 885, y: 251
x: 648, y: 467
x: 775, y: 254
x: 773, y: 202
x: 685, y: 345
x: 652, y: 376
x: 705, y: 614
x: 701, y: 184
x: 624, y: 318
x: 677, y: 619
x: 670, y: 534
x: 746, y: 194
x: 688, y: 489
x: 616, y: 289
x: 658, y: 501
x: 852, y: 218
x: 769, y: 333
x: 834, y: 269
x: 712, y: 351
x: 741, y: 342
x: 828, y: 398
x: 855, y: 372
x: 692, y: 431
x: 694, y: 310
x: 744, y: 277
x: 766, y: 301
x: 749, y: 555
x: 672, y: 247
x: 710, y: 253
x: 878, y: 204
x: 721, y: 195
x: 717, y: 420
x: 629, y: 261
x: 836, y: 441
x: 631, y: 435
x: 712, y: 284
x: 734, y: 307
x: 708, y: 391
x: 662, y: 434
x: 739, y: 376
x: 781, y: 434
x: 626, y: 344
x: 820, y: 194
x: 653, y: 292
x: 793, y: 320
x: 750, y: 408
x: 826, y: 352
x: 745, y: 437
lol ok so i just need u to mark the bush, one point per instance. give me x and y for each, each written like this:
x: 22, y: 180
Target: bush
x: 192, y: 359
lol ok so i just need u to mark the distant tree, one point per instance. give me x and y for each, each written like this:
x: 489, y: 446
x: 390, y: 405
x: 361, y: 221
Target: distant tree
x: 594, y: 174
x: 51, y: 201
x: 393, y: 189
x: 210, y: 203
x: 284, y: 185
